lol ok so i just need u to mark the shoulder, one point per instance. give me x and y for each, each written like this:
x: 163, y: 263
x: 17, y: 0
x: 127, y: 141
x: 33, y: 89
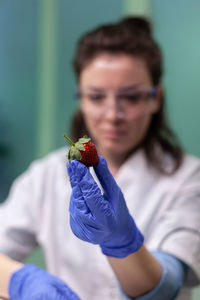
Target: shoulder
x: 188, y: 170
x: 190, y: 160
x: 137, y: 167
x: 43, y: 178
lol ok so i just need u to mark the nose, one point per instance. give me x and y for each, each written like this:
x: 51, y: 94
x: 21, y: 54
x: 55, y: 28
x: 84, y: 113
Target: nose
x: 113, y: 110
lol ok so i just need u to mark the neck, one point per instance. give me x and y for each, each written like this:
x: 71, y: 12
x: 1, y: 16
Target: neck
x: 114, y: 160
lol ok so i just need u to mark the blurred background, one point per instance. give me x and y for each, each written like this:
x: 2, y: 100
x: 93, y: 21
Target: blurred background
x: 37, y: 41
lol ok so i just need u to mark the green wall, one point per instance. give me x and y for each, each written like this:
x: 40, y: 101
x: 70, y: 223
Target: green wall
x: 177, y: 27
x: 18, y: 86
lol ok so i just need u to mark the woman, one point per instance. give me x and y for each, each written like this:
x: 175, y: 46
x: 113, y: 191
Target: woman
x: 135, y: 239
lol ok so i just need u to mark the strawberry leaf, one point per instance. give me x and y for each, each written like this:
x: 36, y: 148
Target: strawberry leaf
x: 84, y: 140
x: 80, y: 146
x: 74, y: 153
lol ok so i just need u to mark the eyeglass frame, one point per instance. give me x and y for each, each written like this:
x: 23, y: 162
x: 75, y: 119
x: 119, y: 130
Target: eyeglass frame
x: 152, y: 92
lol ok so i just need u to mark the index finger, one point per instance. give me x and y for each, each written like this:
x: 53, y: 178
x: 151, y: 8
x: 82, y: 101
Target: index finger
x: 91, y: 192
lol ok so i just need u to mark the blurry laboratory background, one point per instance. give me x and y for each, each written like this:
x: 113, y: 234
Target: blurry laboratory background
x: 37, y: 42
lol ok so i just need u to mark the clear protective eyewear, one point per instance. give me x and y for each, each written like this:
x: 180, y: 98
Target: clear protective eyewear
x: 127, y: 103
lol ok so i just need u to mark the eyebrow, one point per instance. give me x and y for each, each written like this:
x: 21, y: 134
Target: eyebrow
x: 123, y: 89
x: 94, y: 89
x: 130, y: 88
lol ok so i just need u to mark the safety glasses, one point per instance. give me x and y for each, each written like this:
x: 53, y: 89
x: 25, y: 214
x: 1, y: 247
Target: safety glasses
x: 126, y: 103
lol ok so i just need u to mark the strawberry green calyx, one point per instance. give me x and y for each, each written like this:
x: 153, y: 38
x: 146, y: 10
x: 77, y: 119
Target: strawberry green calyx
x: 74, y: 153
x: 77, y: 149
x: 81, y: 142
x: 85, y: 139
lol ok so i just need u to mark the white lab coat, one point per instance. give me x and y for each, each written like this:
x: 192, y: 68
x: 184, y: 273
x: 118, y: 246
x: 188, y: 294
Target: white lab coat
x: 165, y: 208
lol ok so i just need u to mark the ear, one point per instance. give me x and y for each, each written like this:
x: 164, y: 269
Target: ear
x: 157, y: 101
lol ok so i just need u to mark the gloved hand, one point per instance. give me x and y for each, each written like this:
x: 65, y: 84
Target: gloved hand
x: 33, y: 283
x: 101, y: 219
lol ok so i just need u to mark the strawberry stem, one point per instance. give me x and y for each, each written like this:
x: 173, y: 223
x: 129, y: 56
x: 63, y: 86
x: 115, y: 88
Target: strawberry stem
x: 69, y: 140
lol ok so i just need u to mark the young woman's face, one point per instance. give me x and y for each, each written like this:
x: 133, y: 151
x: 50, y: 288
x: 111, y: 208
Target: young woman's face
x: 116, y: 103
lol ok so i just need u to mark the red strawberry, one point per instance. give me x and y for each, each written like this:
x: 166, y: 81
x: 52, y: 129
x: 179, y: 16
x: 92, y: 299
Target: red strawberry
x: 84, y: 151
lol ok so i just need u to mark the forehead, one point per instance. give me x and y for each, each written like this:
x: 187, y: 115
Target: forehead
x: 114, y: 71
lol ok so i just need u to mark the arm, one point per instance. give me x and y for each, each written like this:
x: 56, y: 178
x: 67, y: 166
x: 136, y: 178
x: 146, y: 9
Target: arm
x: 7, y: 267
x: 105, y: 220
x: 174, y: 273
x: 137, y: 273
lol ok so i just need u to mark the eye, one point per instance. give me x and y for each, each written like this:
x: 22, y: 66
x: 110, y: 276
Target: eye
x: 96, y: 97
x: 131, y: 98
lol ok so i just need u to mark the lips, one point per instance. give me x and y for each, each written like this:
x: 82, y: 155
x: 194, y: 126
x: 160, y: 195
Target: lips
x: 113, y: 134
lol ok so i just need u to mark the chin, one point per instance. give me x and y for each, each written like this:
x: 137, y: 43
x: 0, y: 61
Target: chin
x: 117, y: 148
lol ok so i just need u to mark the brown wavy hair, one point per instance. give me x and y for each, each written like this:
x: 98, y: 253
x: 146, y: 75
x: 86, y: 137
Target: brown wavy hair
x: 132, y: 36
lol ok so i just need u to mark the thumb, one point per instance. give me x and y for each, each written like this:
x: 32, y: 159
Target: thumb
x: 88, y: 187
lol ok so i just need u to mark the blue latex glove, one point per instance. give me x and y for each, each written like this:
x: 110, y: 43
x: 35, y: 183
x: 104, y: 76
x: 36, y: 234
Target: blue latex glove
x: 101, y: 219
x: 33, y: 283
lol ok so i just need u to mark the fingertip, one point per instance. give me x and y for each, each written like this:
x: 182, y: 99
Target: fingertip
x: 101, y: 163
x: 102, y: 160
x: 73, y: 166
x: 79, y: 168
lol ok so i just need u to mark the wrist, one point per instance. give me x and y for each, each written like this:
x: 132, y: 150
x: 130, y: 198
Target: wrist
x: 18, y: 279
x: 8, y: 266
x: 130, y: 244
